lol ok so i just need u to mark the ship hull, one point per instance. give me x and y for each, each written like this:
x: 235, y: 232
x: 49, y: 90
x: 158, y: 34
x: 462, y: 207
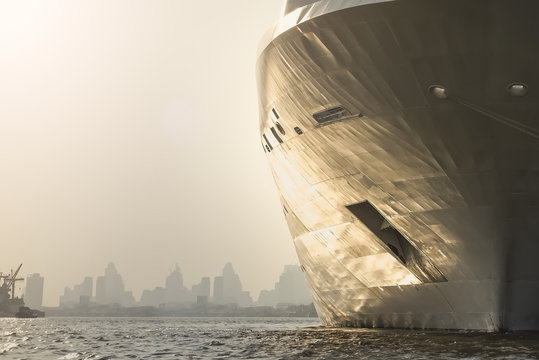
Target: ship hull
x: 408, y: 169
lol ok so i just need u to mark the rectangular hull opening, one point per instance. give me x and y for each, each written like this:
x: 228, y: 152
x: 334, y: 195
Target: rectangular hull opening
x: 398, y: 244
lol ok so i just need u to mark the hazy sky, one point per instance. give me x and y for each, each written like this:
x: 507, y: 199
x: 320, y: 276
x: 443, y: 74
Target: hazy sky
x: 129, y: 133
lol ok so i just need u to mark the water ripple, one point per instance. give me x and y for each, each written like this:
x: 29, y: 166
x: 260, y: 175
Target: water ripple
x: 244, y: 338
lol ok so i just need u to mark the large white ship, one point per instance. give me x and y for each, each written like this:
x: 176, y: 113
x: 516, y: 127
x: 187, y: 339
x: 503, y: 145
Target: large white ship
x: 403, y: 138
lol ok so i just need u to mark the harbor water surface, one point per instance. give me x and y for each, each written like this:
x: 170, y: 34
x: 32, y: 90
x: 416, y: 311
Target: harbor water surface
x: 244, y: 338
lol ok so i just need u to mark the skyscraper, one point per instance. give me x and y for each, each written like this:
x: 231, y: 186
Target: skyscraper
x: 34, y: 291
x: 292, y: 286
x: 227, y: 289
x: 110, y: 288
x: 290, y: 289
x: 87, y: 287
x: 81, y: 293
x: 175, y: 292
x: 100, y: 290
x: 114, y: 285
x: 202, y: 288
x: 218, y: 289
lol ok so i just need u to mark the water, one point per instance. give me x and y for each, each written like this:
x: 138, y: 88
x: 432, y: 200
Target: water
x: 243, y: 338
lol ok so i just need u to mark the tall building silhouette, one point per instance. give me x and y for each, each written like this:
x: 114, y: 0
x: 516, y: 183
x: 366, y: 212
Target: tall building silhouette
x: 81, y: 293
x: 101, y: 290
x: 110, y: 288
x: 218, y: 290
x: 202, y: 288
x: 34, y: 291
x: 201, y: 291
x: 175, y: 292
x: 227, y: 289
x: 290, y: 289
x: 87, y: 287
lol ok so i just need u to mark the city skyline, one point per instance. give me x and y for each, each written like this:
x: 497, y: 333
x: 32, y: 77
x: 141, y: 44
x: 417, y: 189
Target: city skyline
x: 129, y: 131
x: 88, y: 286
x: 223, y: 288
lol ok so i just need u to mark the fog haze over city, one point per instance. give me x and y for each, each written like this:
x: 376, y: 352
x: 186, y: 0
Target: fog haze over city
x: 129, y: 134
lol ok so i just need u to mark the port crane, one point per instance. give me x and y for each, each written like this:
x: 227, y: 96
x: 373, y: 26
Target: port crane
x: 9, y: 281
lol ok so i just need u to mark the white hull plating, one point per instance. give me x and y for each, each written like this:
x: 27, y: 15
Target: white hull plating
x: 408, y: 166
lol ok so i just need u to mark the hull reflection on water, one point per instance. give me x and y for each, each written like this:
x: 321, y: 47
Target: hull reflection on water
x: 403, y: 138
